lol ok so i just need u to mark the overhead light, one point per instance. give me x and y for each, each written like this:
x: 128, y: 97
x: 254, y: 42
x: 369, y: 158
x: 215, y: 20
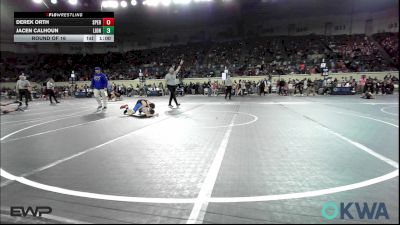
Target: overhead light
x: 133, y: 2
x: 151, y: 2
x: 182, y: 2
x: 110, y: 4
x: 54, y: 1
x: 73, y: 2
x: 202, y: 0
x: 124, y: 4
x: 166, y: 2
x: 37, y: 1
x: 114, y: 4
x: 105, y: 4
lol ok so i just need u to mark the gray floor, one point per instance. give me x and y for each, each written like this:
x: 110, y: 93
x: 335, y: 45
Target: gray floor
x: 277, y: 145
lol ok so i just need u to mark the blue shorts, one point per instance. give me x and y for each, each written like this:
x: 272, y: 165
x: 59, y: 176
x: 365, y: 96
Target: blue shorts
x: 137, y: 106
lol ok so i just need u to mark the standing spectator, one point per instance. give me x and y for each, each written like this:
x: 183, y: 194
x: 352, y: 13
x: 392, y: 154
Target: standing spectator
x: 22, y: 89
x: 290, y: 88
x: 363, y: 80
x: 299, y: 86
x: 263, y: 87
x: 269, y: 86
x: 281, y: 85
x: 239, y: 88
x: 109, y: 90
x: 29, y: 90
x: 99, y: 86
x: 215, y: 89
x: 193, y: 89
x: 311, y: 87
x: 50, y: 90
x: 243, y: 86
x: 228, y: 86
x: 305, y: 85
x: 277, y: 84
x: 234, y: 84
x: 285, y: 89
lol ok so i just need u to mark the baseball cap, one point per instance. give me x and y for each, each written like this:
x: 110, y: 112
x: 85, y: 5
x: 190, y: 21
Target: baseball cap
x: 97, y: 68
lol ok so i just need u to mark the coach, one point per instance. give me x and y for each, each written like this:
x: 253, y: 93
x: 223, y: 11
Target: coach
x: 99, y: 86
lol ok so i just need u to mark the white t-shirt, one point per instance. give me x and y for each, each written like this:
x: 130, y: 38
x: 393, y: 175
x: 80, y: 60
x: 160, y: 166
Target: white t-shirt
x: 228, y: 82
x: 22, y: 84
x: 50, y: 85
x: 170, y: 79
x: 243, y: 86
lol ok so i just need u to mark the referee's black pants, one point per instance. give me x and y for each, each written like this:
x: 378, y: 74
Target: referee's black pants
x: 51, y: 94
x: 25, y: 93
x: 172, y: 95
x: 228, y: 91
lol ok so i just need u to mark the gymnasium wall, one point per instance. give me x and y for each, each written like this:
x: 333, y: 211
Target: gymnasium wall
x: 379, y: 75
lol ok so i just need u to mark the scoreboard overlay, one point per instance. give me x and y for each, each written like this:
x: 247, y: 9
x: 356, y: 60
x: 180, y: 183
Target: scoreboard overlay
x: 64, y: 26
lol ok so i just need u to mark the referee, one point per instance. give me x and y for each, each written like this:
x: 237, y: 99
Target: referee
x: 22, y: 89
x: 170, y: 78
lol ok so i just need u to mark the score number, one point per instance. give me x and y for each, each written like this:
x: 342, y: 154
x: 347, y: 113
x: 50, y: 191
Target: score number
x: 108, y: 30
x: 108, y: 21
x: 108, y: 25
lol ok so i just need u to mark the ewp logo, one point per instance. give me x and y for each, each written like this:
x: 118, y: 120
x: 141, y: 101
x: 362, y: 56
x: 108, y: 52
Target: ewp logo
x: 20, y: 211
x: 376, y: 211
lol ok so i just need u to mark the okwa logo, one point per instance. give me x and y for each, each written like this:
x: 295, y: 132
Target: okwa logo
x: 354, y: 210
